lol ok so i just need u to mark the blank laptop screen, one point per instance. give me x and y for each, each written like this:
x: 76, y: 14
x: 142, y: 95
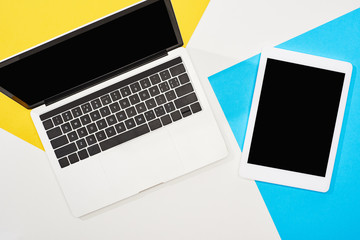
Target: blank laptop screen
x: 144, y: 30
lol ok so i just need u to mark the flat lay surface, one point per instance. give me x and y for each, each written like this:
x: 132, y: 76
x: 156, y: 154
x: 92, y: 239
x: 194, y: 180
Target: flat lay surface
x: 213, y: 202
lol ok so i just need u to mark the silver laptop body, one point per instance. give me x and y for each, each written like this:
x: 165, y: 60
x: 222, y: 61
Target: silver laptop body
x: 126, y: 130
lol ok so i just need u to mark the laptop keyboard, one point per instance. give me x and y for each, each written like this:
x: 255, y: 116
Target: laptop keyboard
x: 121, y: 112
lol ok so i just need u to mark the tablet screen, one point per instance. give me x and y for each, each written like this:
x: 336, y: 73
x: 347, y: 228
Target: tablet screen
x: 296, y: 117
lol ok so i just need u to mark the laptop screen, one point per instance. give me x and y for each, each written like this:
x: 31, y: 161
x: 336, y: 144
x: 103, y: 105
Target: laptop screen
x: 89, y: 53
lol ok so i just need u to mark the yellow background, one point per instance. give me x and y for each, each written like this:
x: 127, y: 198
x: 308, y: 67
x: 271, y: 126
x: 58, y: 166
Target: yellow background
x: 25, y: 23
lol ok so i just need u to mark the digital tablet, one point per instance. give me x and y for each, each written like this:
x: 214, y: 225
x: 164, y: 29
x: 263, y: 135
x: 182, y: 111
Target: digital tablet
x: 295, y: 119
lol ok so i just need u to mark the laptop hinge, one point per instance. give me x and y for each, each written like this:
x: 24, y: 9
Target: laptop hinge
x: 105, y: 77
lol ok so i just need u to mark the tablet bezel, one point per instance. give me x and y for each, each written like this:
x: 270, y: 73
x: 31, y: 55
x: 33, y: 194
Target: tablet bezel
x: 285, y: 177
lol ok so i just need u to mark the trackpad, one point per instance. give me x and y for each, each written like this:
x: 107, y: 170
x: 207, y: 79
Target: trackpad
x: 142, y: 162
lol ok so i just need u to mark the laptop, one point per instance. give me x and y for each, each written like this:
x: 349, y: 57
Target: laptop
x: 117, y: 105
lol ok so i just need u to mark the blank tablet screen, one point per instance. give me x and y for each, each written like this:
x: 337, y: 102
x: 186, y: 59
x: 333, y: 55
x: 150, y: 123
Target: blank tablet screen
x: 296, y: 117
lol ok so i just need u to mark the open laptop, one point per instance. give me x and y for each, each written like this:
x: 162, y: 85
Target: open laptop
x: 117, y: 105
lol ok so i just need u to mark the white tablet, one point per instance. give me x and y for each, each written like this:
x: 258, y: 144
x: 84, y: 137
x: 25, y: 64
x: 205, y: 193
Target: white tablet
x: 295, y: 119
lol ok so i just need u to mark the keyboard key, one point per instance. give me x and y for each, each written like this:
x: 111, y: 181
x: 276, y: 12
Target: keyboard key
x: 111, y: 120
x: 105, y: 100
x: 174, y: 82
x: 115, y: 96
x: 140, y: 119
x: 166, y: 120
x: 134, y: 99
x: 184, y: 78
x: 186, y: 111
x: 154, y: 91
x: 57, y: 120
x: 135, y: 87
x: 95, y: 115
x: 66, y: 128
x: 160, y: 99
x: 155, y: 79
x: 186, y: 100
x: 82, y: 132
x: 150, y: 103
x: 85, y: 119
x: 144, y: 95
x: 195, y: 107
x: 72, y: 136
x: 145, y: 83
x: 170, y: 95
x: 130, y: 123
x: 48, y: 124
x: 150, y: 115
x: 83, y: 154
x: 81, y: 144
x: 65, y: 150
x: 178, y: 69
x: 105, y: 111
x: 101, y: 124
x: 114, y: 107
x: 110, y: 131
x: 176, y: 116
x: 124, y: 137
x: 124, y: 103
x: 100, y: 136
x: 130, y: 112
x: 76, y: 112
x: 165, y: 75
x: 125, y: 91
x: 183, y: 90
x: 58, y: 142
x: 94, y: 150
x: 159, y: 111
x: 155, y: 124
x: 95, y: 104
x: 90, y: 140
x: 67, y: 116
x: 141, y: 107
x: 169, y: 107
x: 73, y: 158
x: 53, y: 133
x: 75, y: 123
x: 91, y: 128
x: 86, y: 108
x: 164, y: 86
x: 120, y: 127
x: 121, y: 116
x: 64, y: 162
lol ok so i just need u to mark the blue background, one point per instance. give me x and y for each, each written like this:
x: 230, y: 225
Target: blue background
x: 297, y: 213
